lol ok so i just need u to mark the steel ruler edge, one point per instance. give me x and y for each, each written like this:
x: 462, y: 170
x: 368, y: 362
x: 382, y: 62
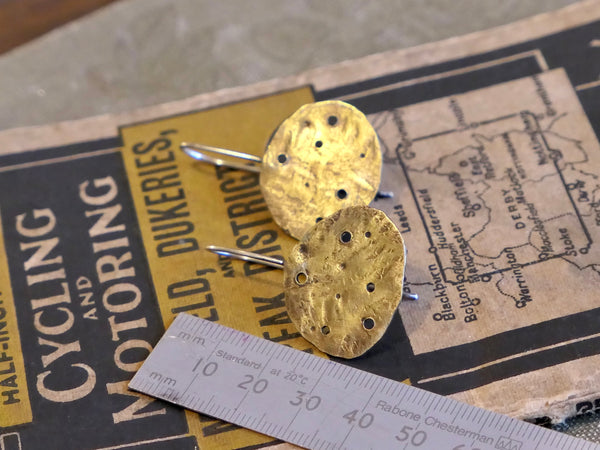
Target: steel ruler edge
x: 317, y: 403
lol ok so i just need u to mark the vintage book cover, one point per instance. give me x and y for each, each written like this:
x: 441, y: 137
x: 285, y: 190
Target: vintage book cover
x: 491, y: 150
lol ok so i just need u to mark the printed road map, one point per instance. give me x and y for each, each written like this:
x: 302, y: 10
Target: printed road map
x: 496, y: 196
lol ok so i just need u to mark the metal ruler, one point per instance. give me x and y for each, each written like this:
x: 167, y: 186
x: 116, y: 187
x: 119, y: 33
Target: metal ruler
x: 317, y: 403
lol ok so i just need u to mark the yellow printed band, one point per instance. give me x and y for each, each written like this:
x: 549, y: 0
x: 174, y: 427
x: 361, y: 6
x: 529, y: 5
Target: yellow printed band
x: 182, y: 206
x: 15, y: 406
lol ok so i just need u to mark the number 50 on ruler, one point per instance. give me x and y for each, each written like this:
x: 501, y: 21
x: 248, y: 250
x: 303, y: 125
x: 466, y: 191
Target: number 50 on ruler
x: 317, y: 403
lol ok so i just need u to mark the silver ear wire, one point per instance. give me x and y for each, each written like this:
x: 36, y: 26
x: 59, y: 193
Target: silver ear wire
x: 271, y: 262
x: 199, y: 153
x: 247, y: 256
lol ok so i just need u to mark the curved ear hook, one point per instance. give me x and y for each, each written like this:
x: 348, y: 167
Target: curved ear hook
x: 247, y: 256
x: 270, y: 261
x: 198, y: 152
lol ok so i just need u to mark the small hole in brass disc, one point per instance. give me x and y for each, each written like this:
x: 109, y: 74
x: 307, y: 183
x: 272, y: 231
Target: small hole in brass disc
x: 362, y: 155
x: 301, y: 278
x: 318, y: 219
x: 325, y: 330
x: 368, y: 234
x: 370, y: 287
x: 368, y: 323
x: 282, y: 158
x: 338, y: 296
x: 306, y: 184
x: 346, y: 237
x: 332, y: 120
x: 319, y: 144
x: 341, y: 194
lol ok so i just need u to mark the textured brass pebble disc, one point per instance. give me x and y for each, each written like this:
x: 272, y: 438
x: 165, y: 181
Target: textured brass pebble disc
x: 323, y: 158
x: 343, y: 281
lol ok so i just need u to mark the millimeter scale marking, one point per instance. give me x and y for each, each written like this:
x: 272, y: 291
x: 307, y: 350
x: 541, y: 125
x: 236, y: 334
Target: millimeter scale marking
x: 317, y: 403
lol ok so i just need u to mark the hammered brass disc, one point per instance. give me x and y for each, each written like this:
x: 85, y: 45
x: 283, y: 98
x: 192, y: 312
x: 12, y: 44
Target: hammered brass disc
x: 343, y: 281
x: 323, y: 158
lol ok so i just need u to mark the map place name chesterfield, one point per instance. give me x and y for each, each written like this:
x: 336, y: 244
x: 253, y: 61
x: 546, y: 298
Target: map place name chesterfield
x: 496, y: 199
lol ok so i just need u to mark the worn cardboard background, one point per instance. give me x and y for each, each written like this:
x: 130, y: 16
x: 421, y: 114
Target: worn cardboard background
x: 136, y: 53
x: 472, y: 70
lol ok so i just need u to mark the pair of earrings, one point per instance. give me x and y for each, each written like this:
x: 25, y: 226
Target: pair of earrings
x: 344, y: 279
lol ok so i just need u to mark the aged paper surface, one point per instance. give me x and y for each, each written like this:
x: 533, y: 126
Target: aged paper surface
x: 490, y: 148
x: 498, y: 188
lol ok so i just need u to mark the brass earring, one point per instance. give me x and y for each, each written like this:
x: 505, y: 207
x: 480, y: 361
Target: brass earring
x: 324, y: 157
x: 343, y: 281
